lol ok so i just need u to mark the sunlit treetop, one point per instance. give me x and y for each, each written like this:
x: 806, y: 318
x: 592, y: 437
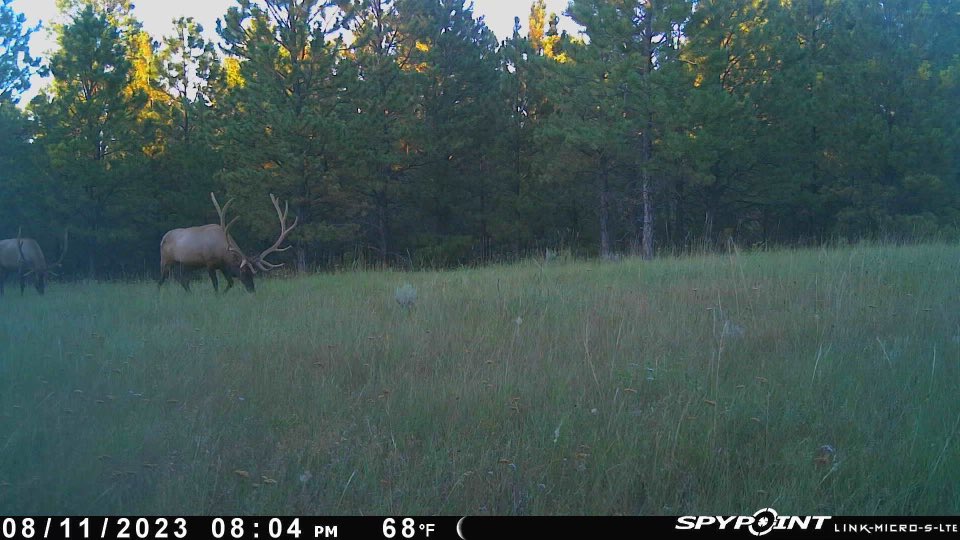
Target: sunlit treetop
x: 16, y: 65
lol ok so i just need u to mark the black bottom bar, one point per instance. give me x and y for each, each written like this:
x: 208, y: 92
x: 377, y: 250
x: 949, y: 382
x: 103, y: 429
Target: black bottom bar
x: 464, y: 528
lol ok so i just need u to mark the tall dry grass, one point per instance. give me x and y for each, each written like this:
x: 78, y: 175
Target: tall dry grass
x: 812, y: 381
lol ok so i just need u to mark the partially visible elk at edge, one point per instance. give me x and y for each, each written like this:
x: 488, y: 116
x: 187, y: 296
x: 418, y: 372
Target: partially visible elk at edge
x: 24, y: 257
x: 212, y: 247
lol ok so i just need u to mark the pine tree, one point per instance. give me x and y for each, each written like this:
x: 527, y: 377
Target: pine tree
x: 190, y: 72
x: 16, y: 64
x: 628, y: 42
x: 285, y: 128
x: 383, y: 127
x: 455, y: 62
x: 89, y: 125
x: 19, y: 187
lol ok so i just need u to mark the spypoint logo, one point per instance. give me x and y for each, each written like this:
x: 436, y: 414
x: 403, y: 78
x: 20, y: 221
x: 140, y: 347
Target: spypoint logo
x: 760, y: 523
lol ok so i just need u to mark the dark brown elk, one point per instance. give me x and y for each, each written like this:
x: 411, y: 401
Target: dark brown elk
x: 24, y: 257
x: 212, y: 247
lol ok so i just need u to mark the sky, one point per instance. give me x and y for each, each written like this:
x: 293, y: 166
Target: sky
x: 156, y: 16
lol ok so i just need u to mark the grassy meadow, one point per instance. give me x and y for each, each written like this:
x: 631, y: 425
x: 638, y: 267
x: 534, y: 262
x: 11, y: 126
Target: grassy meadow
x: 810, y: 381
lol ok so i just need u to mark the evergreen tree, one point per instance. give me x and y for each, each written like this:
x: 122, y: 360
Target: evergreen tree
x: 285, y: 126
x: 89, y: 125
x: 383, y: 127
x: 16, y: 64
x: 191, y: 74
x: 456, y: 87
x: 629, y: 40
x: 527, y: 204
x: 18, y: 187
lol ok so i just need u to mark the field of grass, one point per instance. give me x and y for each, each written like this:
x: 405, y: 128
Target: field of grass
x: 811, y: 381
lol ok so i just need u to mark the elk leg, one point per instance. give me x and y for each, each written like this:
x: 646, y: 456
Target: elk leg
x: 164, y: 274
x: 213, y: 278
x: 184, y: 281
x: 229, y: 279
x: 23, y: 282
x: 3, y: 278
x: 20, y: 274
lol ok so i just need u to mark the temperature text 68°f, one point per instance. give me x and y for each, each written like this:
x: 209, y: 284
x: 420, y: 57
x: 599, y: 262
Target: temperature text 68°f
x: 408, y: 528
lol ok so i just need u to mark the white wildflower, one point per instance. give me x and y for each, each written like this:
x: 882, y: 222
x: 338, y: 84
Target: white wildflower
x: 406, y: 295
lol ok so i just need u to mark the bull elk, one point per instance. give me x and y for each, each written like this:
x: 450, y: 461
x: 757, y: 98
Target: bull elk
x: 212, y: 247
x: 24, y: 256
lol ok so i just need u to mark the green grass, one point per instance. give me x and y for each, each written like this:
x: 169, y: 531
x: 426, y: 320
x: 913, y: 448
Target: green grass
x: 568, y: 388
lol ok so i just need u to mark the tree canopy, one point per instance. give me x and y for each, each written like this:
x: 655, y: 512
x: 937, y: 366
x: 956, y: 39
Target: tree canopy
x: 403, y: 132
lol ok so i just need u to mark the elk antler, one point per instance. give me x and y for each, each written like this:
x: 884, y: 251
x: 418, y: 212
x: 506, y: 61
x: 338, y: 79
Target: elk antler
x: 20, y: 246
x: 23, y: 258
x: 222, y: 212
x: 265, y: 265
x: 66, y: 243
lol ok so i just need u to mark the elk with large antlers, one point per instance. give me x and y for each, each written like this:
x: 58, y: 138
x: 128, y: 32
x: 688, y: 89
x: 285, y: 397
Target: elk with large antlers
x: 212, y: 247
x: 24, y: 256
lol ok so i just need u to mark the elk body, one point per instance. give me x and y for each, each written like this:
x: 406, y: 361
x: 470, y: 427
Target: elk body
x: 24, y: 257
x: 212, y: 247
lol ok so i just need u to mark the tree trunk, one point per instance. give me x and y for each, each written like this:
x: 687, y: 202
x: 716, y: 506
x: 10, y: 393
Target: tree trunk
x: 708, y: 229
x: 604, y: 209
x: 678, y: 226
x: 301, y: 259
x: 646, y: 140
x: 647, y: 248
x: 484, y: 244
x: 383, y: 225
x: 518, y: 195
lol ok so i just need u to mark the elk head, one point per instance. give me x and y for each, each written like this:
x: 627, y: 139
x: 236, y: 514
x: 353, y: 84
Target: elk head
x: 248, y: 267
